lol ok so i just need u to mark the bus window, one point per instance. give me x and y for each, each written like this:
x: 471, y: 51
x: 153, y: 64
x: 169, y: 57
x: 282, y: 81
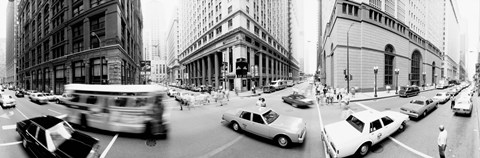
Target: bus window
x: 121, y: 102
x: 75, y: 98
x: 140, y: 102
x: 92, y: 100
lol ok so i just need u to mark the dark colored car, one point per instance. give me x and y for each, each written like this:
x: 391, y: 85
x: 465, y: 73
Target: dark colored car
x: 48, y: 136
x: 268, y: 89
x: 19, y: 94
x: 406, y: 91
x: 297, y: 100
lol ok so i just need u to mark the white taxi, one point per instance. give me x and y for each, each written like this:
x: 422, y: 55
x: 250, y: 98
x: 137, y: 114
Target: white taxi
x: 463, y: 105
x: 360, y: 131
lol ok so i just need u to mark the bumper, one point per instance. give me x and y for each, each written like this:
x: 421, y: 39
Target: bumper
x: 461, y: 111
x: 8, y: 105
x: 302, y: 137
x: 42, y: 100
x: 410, y: 114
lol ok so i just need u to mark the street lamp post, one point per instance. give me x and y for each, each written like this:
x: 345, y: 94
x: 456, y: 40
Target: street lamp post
x: 397, y: 71
x: 375, y: 70
x: 348, y: 59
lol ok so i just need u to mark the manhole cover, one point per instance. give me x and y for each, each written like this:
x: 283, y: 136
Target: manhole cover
x: 151, y: 142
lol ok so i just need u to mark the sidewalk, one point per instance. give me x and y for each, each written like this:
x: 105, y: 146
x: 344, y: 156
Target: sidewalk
x: 380, y: 95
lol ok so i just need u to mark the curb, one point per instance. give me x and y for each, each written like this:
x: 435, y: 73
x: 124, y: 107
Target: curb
x: 384, y: 97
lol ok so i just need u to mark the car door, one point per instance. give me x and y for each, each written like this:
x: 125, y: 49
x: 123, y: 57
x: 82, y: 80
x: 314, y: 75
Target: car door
x: 388, y: 125
x: 244, y: 121
x: 41, y: 144
x: 258, y: 126
x: 377, y: 132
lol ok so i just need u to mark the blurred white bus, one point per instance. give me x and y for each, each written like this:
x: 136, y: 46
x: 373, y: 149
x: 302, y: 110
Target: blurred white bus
x: 119, y: 108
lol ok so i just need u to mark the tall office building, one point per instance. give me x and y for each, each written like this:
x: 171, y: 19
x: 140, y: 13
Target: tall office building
x: 3, y: 74
x: 452, y: 40
x: 78, y: 41
x: 382, y: 34
x: 173, y: 49
x: 11, y: 60
x: 221, y: 40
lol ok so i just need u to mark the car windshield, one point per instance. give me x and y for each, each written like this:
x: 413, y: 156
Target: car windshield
x: 40, y: 95
x: 270, y: 116
x: 60, y: 133
x: 300, y: 97
x: 272, y: 83
x: 356, y: 123
x: 419, y: 102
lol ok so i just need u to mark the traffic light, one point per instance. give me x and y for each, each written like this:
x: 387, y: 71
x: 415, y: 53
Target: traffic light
x: 345, y: 72
x: 346, y: 78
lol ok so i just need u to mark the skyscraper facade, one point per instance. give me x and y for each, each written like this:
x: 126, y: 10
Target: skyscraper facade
x: 173, y: 46
x: 92, y: 42
x: 11, y: 60
x: 235, y: 43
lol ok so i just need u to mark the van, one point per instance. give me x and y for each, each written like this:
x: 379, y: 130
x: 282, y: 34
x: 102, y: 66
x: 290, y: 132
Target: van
x: 278, y: 84
x: 406, y: 91
x: 290, y: 83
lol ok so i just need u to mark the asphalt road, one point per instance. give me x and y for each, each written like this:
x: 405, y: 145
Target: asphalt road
x: 421, y: 135
x: 197, y: 132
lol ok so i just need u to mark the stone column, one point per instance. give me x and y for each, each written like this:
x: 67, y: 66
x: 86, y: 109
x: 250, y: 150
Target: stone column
x: 267, y: 74
x: 260, y: 69
x: 203, y: 71
x: 87, y: 70
x: 216, y: 69
x: 209, y: 69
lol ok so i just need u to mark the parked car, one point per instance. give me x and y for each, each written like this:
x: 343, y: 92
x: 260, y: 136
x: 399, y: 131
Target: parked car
x: 360, y: 131
x: 60, y: 99
x: 170, y: 92
x: 406, y: 91
x: 297, y: 100
x: 268, y: 89
x: 463, y: 105
x: 38, y: 98
x: 49, y: 136
x: 19, y: 94
x: 11, y: 87
x: 441, y: 97
x: 1, y: 88
x: 278, y: 84
x: 7, y: 101
x: 419, y: 108
x: 267, y: 123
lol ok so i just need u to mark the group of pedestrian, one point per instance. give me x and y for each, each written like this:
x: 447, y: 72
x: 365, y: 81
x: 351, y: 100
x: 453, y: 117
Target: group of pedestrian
x: 261, y: 102
x: 329, y: 94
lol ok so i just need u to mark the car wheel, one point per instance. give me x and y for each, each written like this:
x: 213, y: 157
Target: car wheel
x: 294, y: 105
x: 24, y: 143
x: 283, y: 141
x: 363, y: 150
x: 402, y: 127
x: 425, y: 113
x: 57, y: 101
x: 236, y: 127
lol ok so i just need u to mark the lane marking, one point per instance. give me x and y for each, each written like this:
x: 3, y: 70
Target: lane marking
x: 320, y: 121
x: 408, y: 148
x: 220, y: 149
x: 104, y: 153
x: 7, y: 127
x: 54, y: 111
x: 396, y: 141
x: 11, y: 143
x: 22, y: 113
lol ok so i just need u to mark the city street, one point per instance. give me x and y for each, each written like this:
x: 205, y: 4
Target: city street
x: 420, y: 136
x: 197, y: 132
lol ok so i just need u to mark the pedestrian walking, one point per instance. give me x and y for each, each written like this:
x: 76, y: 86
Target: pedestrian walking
x: 319, y: 98
x: 452, y: 104
x: 227, y: 94
x: 236, y: 91
x: 442, y: 141
x: 261, y: 102
x: 253, y: 89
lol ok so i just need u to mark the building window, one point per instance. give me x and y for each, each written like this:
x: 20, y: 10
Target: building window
x: 77, y: 33
x: 256, y: 30
x: 97, y: 25
x: 229, y: 9
x: 77, y: 9
x: 415, y: 68
x: 46, y: 50
x: 388, y: 69
x: 248, y: 10
x: 94, y: 3
x: 98, y: 71
x: 59, y: 79
x: 248, y: 24
x: 230, y: 23
x: 78, y: 72
x: 219, y: 30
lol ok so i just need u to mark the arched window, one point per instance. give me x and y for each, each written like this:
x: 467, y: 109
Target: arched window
x: 389, y: 51
x: 415, y: 70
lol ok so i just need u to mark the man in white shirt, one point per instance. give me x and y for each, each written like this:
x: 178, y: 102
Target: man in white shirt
x: 442, y: 141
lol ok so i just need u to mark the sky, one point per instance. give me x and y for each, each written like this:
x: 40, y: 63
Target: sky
x: 468, y: 10
x: 3, y: 18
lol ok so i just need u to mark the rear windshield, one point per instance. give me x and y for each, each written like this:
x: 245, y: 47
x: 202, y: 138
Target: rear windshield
x: 417, y: 102
x: 356, y: 123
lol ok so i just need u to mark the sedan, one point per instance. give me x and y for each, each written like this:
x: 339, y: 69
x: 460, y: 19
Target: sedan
x: 360, y: 131
x: 49, y: 96
x: 49, y: 136
x: 441, y: 97
x: 297, y: 100
x: 38, y: 98
x: 268, y: 124
x: 19, y: 94
x: 417, y: 108
x: 463, y: 105
x: 7, y: 101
